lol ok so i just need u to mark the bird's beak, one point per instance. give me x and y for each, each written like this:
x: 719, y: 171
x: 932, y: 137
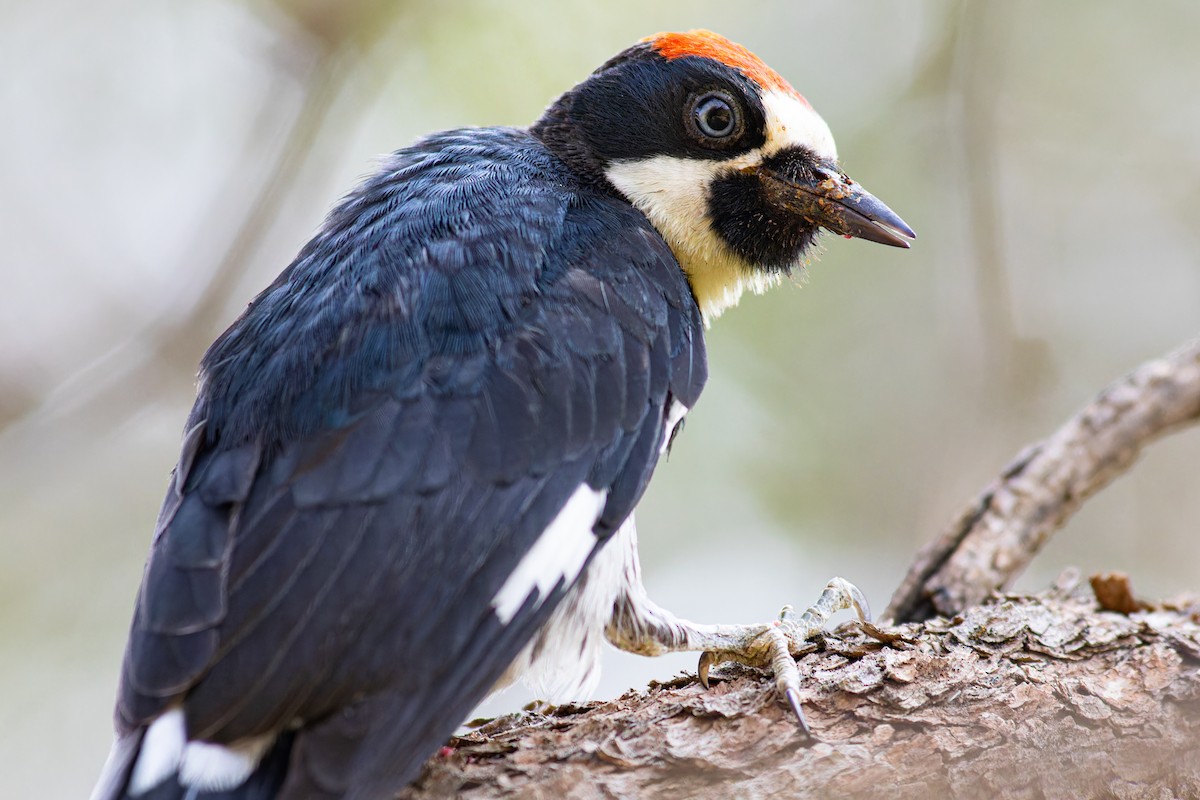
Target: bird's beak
x: 827, y: 197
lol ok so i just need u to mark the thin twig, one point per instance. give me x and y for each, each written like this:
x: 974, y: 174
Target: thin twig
x: 997, y: 535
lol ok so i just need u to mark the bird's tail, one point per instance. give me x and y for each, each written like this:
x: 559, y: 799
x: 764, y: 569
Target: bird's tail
x: 118, y: 782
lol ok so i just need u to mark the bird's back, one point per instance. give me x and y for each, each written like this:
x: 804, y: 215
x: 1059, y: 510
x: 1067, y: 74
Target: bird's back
x: 474, y: 345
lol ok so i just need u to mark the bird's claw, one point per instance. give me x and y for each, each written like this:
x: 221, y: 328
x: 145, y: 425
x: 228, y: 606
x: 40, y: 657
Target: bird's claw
x: 776, y: 645
x: 793, y: 698
x: 707, y: 659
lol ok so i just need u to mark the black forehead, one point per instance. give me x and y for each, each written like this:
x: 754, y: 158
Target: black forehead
x: 633, y: 106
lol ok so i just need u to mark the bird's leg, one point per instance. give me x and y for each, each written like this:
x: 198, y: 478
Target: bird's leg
x: 639, y: 625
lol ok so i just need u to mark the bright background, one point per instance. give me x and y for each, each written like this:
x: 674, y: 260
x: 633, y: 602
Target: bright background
x: 163, y: 161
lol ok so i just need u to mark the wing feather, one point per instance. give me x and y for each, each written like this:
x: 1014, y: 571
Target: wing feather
x: 380, y: 439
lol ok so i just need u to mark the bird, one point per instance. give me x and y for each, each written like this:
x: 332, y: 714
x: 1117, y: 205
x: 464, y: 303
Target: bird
x: 410, y: 473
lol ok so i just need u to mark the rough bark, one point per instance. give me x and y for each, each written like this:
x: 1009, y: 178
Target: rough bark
x: 998, y: 533
x: 1029, y: 697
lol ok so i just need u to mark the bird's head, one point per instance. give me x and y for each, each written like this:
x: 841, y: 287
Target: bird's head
x: 731, y: 165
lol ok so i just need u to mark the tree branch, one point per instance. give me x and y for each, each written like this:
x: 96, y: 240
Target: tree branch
x: 1024, y: 697
x: 997, y: 535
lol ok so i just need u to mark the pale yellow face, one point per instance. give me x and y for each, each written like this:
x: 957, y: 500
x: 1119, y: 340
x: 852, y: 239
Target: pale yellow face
x: 673, y: 194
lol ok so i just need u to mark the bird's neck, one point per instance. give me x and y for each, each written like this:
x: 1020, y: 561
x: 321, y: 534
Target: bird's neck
x: 561, y: 135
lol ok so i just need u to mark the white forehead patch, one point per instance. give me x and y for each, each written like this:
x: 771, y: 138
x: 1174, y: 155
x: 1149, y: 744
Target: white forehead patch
x: 791, y: 121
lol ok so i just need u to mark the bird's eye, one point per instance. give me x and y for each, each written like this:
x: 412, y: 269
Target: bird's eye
x: 714, y: 115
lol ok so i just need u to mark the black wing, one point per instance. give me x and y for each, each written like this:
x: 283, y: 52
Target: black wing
x: 380, y: 439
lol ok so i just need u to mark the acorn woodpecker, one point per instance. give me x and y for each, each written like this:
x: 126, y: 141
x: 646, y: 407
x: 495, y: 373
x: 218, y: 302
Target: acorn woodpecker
x: 410, y: 472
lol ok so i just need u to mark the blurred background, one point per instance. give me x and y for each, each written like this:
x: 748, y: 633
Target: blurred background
x: 161, y: 162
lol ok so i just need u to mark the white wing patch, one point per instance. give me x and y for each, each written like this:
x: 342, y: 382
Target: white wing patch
x: 215, y: 768
x: 674, y: 417
x: 559, y: 552
x: 161, y: 752
x: 562, y: 662
x: 204, y: 766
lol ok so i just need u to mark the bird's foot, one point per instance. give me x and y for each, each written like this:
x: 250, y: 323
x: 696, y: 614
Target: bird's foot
x: 774, y: 646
